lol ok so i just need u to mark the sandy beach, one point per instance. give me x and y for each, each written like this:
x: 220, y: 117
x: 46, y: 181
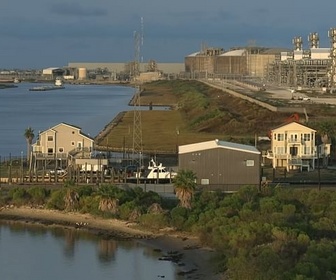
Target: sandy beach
x: 193, y: 260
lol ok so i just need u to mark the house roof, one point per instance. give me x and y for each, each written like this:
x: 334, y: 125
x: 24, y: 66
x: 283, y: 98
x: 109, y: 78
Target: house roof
x: 69, y: 125
x: 291, y: 123
x: 201, y: 146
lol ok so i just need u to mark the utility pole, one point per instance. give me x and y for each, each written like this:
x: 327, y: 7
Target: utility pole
x: 137, y: 150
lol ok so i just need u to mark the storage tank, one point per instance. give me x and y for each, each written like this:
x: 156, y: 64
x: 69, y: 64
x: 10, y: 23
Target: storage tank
x: 81, y: 73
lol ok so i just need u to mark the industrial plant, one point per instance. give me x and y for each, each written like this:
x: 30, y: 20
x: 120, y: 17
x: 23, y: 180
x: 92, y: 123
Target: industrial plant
x: 298, y: 67
x: 314, y: 67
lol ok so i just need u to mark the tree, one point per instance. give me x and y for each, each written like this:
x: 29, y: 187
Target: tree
x: 185, y: 185
x: 29, y: 135
x: 326, y: 132
x: 108, y: 201
x: 71, y: 200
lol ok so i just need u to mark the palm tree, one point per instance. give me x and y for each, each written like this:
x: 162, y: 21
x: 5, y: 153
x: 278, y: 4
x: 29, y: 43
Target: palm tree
x: 71, y: 200
x: 185, y: 185
x: 29, y: 135
x: 108, y: 201
x: 327, y: 132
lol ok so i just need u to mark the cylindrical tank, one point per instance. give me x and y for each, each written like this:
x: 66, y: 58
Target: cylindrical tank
x: 81, y: 73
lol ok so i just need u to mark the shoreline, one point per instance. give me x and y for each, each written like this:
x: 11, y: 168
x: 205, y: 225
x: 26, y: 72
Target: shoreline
x: 190, y: 257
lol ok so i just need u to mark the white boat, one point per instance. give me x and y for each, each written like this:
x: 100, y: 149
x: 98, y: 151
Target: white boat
x: 58, y: 82
x: 155, y: 171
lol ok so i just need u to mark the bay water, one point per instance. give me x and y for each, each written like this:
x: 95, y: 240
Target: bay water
x: 31, y: 252
x: 89, y: 107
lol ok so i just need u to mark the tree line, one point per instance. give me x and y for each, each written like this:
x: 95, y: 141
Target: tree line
x: 273, y: 233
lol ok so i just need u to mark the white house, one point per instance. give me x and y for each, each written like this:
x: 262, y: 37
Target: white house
x: 294, y: 146
x: 61, y: 144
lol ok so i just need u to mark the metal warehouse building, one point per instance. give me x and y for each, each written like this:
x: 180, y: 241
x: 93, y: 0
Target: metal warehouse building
x: 222, y: 164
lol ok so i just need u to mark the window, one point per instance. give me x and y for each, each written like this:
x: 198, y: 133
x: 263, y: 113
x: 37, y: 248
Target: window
x: 72, y: 143
x: 50, y: 138
x: 249, y: 162
x: 306, y: 137
x: 280, y: 137
x: 50, y: 151
x: 61, y: 150
x: 293, y: 138
x: 306, y: 150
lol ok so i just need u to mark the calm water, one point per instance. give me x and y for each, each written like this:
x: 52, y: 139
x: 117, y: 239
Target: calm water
x: 90, y: 107
x: 37, y: 253
x: 34, y: 253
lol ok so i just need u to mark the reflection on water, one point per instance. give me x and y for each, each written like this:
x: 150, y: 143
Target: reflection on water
x: 107, y: 250
x: 33, y: 252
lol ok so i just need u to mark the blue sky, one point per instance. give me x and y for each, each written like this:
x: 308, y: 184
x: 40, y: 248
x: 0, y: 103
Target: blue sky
x: 44, y: 33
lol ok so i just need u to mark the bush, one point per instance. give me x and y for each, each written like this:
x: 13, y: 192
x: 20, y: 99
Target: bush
x: 84, y: 191
x: 18, y: 195
x: 146, y: 199
x: 56, y: 201
x: 178, y: 216
x: 38, y: 195
x: 89, y: 204
x: 126, y: 210
x: 154, y: 221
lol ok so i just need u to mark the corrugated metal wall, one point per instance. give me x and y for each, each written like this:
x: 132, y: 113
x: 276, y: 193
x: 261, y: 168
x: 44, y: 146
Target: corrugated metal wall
x: 223, y: 166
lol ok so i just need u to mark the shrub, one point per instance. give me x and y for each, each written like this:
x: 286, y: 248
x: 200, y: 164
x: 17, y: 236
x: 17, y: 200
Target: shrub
x: 154, y: 221
x: 178, y: 216
x: 38, y: 195
x: 56, y: 200
x: 18, y: 195
x: 84, y: 190
x: 89, y: 204
x: 126, y: 210
x: 145, y: 199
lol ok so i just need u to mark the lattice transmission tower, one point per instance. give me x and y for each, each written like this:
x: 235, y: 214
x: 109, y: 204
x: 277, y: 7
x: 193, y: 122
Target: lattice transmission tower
x: 137, y: 149
x: 332, y: 67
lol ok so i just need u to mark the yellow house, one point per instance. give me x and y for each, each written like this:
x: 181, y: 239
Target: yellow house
x: 294, y: 146
x: 61, y: 144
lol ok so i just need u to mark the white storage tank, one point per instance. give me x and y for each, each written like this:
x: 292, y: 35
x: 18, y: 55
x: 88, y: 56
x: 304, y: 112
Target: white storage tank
x: 81, y: 73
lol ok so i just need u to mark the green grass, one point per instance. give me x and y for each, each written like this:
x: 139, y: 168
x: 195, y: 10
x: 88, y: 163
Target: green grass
x: 200, y: 113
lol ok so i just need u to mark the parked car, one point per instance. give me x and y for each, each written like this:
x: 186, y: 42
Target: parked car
x: 59, y: 171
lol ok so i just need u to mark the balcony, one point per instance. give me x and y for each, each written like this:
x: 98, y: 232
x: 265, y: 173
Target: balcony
x: 296, y: 141
x: 50, y: 156
x: 281, y: 156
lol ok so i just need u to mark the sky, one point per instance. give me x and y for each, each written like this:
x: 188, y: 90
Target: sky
x: 36, y: 34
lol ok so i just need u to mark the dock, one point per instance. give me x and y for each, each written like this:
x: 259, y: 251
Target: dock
x: 46, y: 88
x: 2, y: 86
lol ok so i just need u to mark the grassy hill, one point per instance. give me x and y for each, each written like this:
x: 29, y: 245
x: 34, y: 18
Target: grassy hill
x: 199, y: 113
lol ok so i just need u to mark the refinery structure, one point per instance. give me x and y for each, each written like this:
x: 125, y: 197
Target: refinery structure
x: 298, y: 67
x: 313, y: 67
